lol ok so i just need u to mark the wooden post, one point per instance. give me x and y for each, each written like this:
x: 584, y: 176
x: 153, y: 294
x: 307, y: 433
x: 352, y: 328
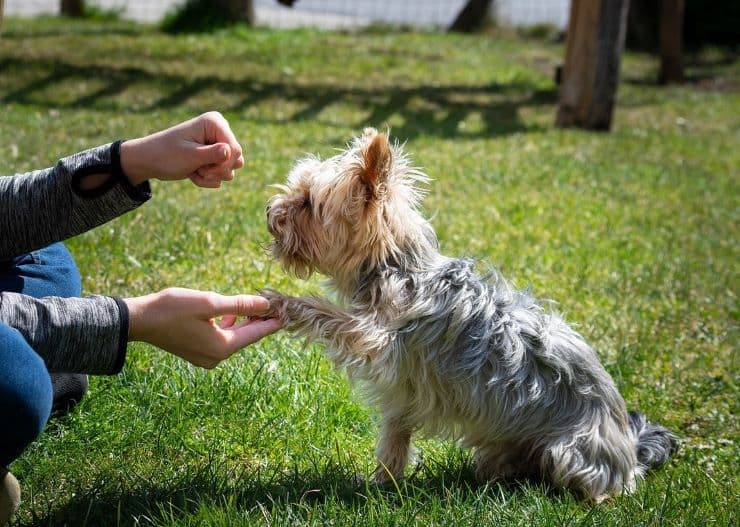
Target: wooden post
x: 472, y: 16
x: 591, y: 71
x: 671, y: 41
x: 237, y: 10
x: 73, y: 8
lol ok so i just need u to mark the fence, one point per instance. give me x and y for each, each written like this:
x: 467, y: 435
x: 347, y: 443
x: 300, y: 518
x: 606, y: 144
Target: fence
x: 333, y: 14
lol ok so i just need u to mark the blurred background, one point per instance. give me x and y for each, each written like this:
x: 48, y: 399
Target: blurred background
x: 705, y: 21
x: 331, y: 13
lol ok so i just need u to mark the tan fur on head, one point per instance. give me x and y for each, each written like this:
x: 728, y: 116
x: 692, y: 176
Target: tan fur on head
x: 341, y: 215
x: 377, y: 162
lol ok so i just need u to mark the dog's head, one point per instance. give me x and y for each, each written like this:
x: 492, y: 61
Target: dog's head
x: 351, y: 212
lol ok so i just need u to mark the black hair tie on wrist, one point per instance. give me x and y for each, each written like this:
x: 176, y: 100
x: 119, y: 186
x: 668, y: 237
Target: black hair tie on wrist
x: 117, y: 176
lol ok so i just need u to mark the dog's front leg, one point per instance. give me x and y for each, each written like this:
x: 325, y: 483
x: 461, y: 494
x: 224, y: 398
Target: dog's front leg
x: 394, y: 447
x: 352, y: 340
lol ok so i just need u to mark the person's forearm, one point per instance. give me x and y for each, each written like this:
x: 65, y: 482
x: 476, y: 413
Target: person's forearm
x: 46, y: 206
x: 73, y: 335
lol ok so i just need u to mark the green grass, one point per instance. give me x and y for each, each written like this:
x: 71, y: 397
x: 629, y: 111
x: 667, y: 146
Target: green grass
x: 634, y: 233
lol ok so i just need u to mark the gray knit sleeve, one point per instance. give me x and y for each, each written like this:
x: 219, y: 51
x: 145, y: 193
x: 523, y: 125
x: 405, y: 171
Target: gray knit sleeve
x: 82, y: 335
x: 46, y: 206
x: 78, y: 335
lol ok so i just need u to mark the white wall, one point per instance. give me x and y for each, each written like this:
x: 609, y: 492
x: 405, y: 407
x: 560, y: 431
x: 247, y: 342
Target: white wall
x: 334, y: 13
x: 532, y: 12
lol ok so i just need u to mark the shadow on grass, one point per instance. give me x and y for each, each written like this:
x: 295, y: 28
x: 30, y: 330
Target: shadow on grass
x: 75, y: 27
x: 702, y: 70
x: 438, y: 111
x: 211, y: 491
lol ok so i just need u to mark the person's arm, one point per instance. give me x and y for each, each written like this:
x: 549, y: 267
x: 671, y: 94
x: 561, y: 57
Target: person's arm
x: 89, y: 335
x: 75, y: 335
x: 90, y: 188
x: 46, y: 206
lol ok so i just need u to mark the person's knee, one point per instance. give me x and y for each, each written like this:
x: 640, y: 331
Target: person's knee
x: 25, y: 394
x: 26, y: 410
x: 64, y: 272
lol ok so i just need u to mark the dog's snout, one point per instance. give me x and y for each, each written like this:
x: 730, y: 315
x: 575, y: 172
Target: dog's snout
x: 275, y: 219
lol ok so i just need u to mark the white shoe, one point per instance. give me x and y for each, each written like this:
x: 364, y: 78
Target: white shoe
x: 10, y: 496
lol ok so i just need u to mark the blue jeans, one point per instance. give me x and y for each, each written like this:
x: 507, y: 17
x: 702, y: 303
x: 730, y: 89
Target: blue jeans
x: 25, y: 386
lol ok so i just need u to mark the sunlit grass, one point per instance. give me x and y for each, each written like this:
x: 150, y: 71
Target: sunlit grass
x: 633, y: 233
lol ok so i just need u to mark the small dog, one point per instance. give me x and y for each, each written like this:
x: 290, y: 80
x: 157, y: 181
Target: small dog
x: 439, y: 349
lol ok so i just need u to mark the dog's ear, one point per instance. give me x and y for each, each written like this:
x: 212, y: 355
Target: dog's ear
x: 377, y: 159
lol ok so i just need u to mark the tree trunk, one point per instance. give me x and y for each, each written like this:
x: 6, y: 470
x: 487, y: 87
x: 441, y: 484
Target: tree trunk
x: 72, y: 7
x: 237, y: 10
x: 671, y: 41
x: 591, y: 71
x: 472, y: 16
x: 2, y: 10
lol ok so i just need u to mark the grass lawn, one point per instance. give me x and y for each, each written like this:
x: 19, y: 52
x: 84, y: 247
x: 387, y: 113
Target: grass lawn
x: 634, y: 233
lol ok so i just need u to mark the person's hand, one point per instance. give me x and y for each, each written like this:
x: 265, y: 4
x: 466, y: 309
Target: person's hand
x: 203, y: 149
x: 183, y: 322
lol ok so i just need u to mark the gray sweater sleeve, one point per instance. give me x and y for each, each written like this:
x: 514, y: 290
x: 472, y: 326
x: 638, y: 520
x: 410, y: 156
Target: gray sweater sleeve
x: 76, y: 335
x: 85, y: 335
x: 46, y: 206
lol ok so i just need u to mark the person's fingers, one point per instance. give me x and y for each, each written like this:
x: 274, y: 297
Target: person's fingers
x: 227, y: 321
x: 228, y: 136
x: 222, y: 132
x: 215, y: 154
x: 206, y: 182
x: 245, y: 335
x: 249, y: 320
x: 217, y: 172
x: 236, y: 148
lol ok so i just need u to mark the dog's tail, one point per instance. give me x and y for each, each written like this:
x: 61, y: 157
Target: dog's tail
x: 655, y: 443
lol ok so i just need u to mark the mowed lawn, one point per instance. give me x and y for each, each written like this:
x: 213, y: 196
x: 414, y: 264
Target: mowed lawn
x: 633, y: 233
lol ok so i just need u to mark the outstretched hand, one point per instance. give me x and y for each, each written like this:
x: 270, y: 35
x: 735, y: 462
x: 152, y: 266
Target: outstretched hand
x: 203, y: 149
x: 183, y: 322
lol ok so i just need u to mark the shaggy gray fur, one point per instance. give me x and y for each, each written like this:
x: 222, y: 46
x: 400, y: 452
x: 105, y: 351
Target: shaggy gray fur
x: 439, y: 349
x: 655, y: 444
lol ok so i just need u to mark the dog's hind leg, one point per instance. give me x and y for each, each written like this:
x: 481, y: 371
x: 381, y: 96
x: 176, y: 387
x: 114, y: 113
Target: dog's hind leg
x: 596, y: 467
x: 496, y: 461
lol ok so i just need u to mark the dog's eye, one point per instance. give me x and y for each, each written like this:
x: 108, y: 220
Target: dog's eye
x: 307, y: 202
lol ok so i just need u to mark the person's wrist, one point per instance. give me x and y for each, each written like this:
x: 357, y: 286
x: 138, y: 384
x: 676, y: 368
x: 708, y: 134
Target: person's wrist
x: 139, y: 315
x: 134, y: 161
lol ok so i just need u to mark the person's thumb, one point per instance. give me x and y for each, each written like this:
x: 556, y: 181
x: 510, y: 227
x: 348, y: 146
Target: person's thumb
x: 214, y: 154
x: 241, y: 305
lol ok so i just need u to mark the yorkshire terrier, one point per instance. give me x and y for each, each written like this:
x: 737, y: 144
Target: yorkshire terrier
x: 440, y: 349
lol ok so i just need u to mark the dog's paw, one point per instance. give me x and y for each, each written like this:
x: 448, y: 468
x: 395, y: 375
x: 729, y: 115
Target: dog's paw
x: 372, y: 483
x: 383, y: 479
x: 277, y: 302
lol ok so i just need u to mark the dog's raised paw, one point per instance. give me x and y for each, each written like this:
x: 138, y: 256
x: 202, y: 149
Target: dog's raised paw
x: 277, y: 303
